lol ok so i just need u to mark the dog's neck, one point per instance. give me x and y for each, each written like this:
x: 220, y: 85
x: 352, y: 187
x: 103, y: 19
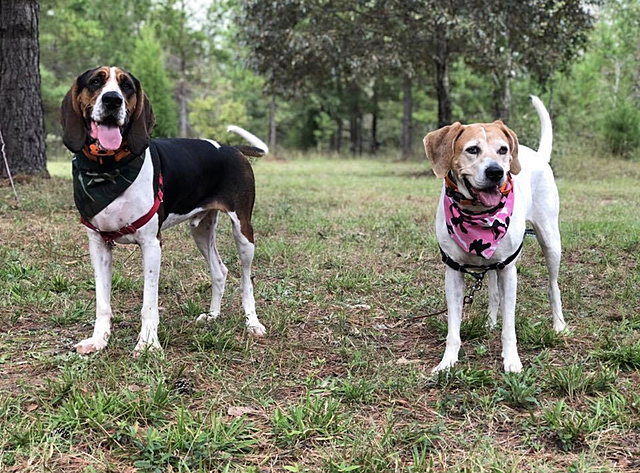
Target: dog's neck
x: 95, y: 152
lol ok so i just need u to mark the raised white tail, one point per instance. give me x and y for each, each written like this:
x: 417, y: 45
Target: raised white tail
x: 250, y: 137
x: 546, y: 130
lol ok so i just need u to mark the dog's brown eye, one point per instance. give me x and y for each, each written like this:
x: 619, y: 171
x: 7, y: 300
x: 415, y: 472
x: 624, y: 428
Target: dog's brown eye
x: 503, y: 150
x: 473, y: 150
x: 96, y: 81
x: 126, y: 85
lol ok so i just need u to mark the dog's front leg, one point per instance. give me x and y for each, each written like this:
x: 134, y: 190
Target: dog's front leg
x: 101, y: 258
x: 454, y: 289
x: 151, y: 255
x: 508, y: 285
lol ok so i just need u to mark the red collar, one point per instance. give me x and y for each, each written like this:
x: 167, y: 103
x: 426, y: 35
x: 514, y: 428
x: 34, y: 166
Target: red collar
x: 109, y: 237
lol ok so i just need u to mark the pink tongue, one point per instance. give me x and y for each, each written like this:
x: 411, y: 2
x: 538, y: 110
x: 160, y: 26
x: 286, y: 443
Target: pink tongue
x: 489, y: 197
x: 109, y: 137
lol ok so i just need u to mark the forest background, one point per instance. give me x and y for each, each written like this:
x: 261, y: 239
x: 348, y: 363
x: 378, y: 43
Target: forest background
x: 362, y: 77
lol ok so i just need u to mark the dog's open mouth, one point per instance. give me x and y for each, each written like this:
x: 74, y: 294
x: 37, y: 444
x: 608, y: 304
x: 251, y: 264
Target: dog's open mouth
x: 489, y: 197
x: 107, y: 133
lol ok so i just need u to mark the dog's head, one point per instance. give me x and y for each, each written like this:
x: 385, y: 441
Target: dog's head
x: 479, y: 156
x: 107, y: 105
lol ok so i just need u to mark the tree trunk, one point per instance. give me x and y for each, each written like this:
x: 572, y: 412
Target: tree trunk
x: 354, y: 125
x: 338, y: 141
x: 360, y: 133
x: 182, y: 92
x: 273, y: 137
x: 502, y: 97
x: 443, y: 91
x: 21, y: 114
x: 407, y: 128
x: 373, y: 148
x: 374, y: 133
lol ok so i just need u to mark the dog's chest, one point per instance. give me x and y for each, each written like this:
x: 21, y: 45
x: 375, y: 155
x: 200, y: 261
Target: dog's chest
x: 134, y: 202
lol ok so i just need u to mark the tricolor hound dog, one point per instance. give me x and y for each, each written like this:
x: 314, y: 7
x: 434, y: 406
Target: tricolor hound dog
x: 129, y: 187
x: 492, y: 187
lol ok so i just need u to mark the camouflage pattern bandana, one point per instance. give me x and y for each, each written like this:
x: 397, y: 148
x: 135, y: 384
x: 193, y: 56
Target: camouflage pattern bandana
x: 97, y: 182
x: 478, y: 233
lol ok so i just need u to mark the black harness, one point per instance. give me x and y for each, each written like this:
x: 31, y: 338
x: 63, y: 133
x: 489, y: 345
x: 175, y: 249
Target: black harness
x: 475, y: 269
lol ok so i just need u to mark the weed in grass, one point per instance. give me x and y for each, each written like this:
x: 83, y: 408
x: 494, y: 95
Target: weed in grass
x: 190, y: 443
x: 76, y: 311
x: 536, y: 335
x: 571, y: 427
x: 354, y: 390
x: 466, y: 378
x: 573, y: 381
x: 313, y: 417
x: 625, y: 356
x: 60, y: 283
x: 519, y: 389
x: 614, y: 408
x: 215, y: 338
x: 190, y: 308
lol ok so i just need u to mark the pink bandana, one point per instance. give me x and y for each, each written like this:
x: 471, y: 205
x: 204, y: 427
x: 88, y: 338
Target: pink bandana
x: 477, y: 232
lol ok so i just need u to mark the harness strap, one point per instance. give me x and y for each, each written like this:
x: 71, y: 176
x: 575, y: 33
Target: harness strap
x: 474, y: 269
x: 109, y: 237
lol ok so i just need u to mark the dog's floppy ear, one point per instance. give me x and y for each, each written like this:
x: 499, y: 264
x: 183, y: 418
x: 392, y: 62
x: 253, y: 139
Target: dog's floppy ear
x: 74, y: 131
x: 142, y: 122
x: 439, y: 146
x: 512, y: 139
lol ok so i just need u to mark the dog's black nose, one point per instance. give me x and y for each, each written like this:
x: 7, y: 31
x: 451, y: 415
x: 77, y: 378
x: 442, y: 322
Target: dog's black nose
x: 494, y: 173
x: 111, y: 100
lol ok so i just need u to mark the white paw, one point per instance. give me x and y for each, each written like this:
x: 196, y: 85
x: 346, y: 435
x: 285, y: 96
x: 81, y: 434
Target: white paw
x: 255, y: 328
x: 559, y: 326
x: 92, y: 345
x: 150, y: 344
x: 207, y: 317
x: 512, y: 364
x: 446, y: 363
x: 492, y: 322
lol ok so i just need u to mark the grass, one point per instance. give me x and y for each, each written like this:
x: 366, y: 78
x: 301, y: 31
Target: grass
x: 346, y: 256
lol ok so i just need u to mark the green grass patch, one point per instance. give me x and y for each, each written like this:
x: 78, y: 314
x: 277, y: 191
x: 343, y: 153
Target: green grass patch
x: 346, y: 257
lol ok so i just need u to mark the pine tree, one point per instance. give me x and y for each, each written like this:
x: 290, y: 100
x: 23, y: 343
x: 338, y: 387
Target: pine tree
x: 148, y: 66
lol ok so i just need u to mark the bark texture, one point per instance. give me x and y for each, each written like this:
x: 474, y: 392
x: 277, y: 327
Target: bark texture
x: 21, y: 114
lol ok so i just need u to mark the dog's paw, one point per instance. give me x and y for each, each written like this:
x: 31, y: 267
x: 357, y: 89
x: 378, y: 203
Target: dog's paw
x: 144, y: 346
x: 512, y: 365
x: 559, y: 326
x: 91, y: 345
x: 254, y: 326
x: 446, y: 363
x: 207, y: 317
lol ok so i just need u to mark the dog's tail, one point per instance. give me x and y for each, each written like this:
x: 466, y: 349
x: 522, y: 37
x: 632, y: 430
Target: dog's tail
x: 258, y: 147
x: 546, y: 130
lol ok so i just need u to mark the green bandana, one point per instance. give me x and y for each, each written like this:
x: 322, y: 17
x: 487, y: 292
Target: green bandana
x: 97, y: 185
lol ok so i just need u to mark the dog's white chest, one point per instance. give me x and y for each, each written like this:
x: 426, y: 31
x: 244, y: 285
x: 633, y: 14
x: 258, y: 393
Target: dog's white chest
x: 132, y: 204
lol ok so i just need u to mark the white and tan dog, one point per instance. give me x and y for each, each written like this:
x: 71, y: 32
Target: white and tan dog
x: 478, y: 162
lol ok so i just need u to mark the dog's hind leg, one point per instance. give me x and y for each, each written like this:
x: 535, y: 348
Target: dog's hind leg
x: 101, y: 258
x: 203, y: 231
x: 243, y: 235
x: 494, y: 299
x: 548, y: 235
